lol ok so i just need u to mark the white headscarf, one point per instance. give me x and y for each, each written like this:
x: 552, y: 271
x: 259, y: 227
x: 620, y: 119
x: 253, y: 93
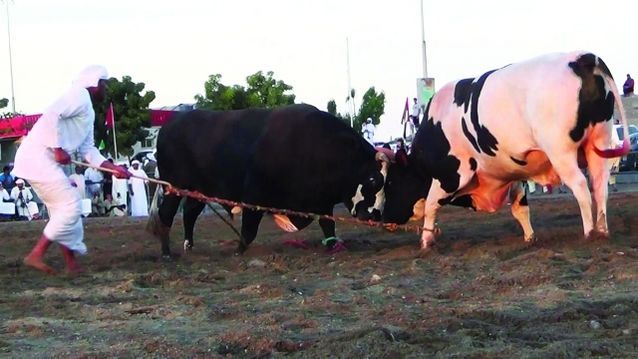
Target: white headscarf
x: 90, y: 76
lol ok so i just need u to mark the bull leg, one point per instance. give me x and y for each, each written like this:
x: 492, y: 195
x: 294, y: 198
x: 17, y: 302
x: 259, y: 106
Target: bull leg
x: 192, y: 209
x: 599, y: 176
x: 431, y: 207
x: 566, y: 166
x: 161, y: 221
x: 520, y: 210
x: 249, y: 226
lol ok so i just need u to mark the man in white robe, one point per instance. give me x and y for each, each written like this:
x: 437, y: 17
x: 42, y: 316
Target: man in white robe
x: 22, y: 198
x: 119, y: 190
x: 64, y: 127
x: 137, y: 190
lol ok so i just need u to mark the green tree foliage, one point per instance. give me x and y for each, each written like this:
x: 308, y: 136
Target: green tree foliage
x: 132, y: 115
x: 263, y: 91
x: 3, y: 102
x: 372, y: 106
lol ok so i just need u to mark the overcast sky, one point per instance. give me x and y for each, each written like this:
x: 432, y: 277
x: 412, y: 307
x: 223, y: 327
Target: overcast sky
x: 173, y: 46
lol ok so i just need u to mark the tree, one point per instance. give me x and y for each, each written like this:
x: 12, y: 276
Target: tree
x: 3, y: 103
x: 372, y: 106
x: 263, y: 91
x: 131, y: 112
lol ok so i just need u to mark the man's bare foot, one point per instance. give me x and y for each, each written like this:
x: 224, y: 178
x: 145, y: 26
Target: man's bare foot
x: 38, y: 264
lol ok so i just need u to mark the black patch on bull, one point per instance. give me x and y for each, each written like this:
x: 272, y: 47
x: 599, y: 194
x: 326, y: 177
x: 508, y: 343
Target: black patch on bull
x: 519, y: 162
x: 473, y: 164
x: 469, y: 135
x: 464, y: 201
x: 523, y: 201
x: 595, y: 104
x: 431, y: 150
x: 467, y: 93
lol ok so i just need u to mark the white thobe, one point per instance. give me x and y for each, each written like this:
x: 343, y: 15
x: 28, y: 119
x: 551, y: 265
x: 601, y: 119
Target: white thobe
x: 368, y: 132
x: 139, y: 199
x: 79, y: 181
x: 67, y: 123
x: 95, y: 180
x: 22, y: 198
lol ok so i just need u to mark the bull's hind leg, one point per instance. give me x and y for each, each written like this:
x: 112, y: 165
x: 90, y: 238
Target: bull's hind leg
x: 249, y: 226
x: 599, y: 176
x: 566, y: 165
x: 192, y: 209
x: 160, y: 221
x: 520, y: 210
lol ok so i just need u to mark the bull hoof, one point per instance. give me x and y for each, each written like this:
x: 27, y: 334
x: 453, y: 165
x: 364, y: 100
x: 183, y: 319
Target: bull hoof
x: 337, y: 248
x: 188, y: 245
x: 531, y: 240
x: 241, y: 248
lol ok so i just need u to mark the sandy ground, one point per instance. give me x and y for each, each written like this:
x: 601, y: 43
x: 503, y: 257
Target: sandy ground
x: 481, y: 293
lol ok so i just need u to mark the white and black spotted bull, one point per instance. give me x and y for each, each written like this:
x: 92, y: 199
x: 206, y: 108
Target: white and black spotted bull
x: 481, y: 137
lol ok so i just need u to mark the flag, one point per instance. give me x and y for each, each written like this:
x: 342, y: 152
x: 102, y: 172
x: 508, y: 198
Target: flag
x: 110, y: 117
x: 406, y: 112
x: 102, y: 145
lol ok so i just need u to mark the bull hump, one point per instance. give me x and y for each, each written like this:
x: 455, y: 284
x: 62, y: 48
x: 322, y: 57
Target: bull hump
x: 467, y: 93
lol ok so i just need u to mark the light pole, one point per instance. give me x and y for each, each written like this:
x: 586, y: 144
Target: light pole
x: 13, y: 99
x: 425, y: 58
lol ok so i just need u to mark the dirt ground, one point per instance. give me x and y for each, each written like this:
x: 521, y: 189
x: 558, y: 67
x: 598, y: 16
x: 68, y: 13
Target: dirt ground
x: 482, y: 293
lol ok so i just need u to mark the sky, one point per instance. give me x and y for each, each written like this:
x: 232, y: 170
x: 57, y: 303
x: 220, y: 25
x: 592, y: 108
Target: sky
x: 173, y: 46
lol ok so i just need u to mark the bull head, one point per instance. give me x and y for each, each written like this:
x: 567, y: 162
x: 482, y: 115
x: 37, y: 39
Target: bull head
x: 369, y: 198
x: 405, y: 193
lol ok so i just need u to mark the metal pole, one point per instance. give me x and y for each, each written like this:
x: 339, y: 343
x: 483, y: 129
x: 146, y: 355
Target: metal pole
x: 13, y: 99
x: 349, y: 79
x: 425, y: 58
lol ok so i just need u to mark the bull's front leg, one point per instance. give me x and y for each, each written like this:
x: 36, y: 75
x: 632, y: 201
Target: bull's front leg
x: 520, y: 211
x: 430, y: 210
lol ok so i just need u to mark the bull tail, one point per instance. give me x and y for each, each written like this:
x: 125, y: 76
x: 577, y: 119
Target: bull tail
x: 624, y: 149
x: 154, y: 222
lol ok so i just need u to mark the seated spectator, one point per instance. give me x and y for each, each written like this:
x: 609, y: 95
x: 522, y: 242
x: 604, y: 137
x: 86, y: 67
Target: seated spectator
x: 7, y: 208
x: 22, y: 196
x: 401, y: 155
x: 628, y: 86
x: 97, y: 205
x: 7, y: 179
x: 113, y: 208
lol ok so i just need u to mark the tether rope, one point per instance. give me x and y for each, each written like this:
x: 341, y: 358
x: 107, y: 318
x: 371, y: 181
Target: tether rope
x: 170, y: 189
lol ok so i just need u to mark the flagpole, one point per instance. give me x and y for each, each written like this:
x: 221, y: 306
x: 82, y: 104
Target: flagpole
x: 114, y: 137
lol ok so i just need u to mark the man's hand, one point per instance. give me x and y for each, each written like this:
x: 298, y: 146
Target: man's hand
x: 118, y: 171
x: 61, y: 156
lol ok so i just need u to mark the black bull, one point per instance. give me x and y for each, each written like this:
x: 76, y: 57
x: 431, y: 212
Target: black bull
x: 294, y: 157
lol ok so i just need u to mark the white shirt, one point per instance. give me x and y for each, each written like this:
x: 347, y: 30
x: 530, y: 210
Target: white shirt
x: 5, y: 195
x: 416, y: 110
x: 67, y: 123
x: 27, y: 196
x: 368, y: 132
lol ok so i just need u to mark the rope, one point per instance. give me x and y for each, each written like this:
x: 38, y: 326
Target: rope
x: 170, y: 189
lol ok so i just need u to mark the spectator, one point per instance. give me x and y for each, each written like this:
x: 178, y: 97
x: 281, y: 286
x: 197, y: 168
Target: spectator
x: 7, y: 179
x: 107, y: 186
x: 94, y: 179
x: 628, y: 86
x: 415, y: 116
x: 113, y: 208
x: 401, y: 155
x: 22, y: 197
x: 137, y: 189
x: 368, y: 131
x: 97, y: 205
x: 78, y: 181
x: 4, y: 194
